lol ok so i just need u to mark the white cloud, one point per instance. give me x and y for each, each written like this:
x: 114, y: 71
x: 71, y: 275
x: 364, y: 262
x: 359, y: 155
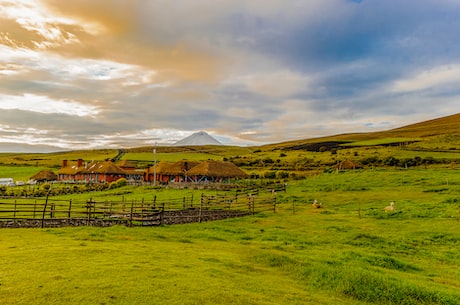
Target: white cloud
x: 33, y: 16
x: 69, y: 69
x: 44, y: 104
x: 437, y: 77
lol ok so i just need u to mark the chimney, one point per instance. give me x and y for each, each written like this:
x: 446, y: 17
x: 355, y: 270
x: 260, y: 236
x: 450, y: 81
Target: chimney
x: 64, y: 163
x: 79, y: 162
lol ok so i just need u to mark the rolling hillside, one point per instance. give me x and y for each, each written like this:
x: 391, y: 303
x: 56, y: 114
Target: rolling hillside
x: 418, y: 132
x: 437, y: 139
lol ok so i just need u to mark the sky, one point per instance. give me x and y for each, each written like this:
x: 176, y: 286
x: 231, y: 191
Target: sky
x: 87, y: 74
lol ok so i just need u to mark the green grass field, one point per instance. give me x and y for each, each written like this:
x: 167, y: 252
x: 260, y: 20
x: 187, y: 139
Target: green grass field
x: 19, y: 173
x: 349, y: 252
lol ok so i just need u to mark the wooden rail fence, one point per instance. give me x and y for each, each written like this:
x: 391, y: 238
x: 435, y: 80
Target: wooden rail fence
x: 23, y: 212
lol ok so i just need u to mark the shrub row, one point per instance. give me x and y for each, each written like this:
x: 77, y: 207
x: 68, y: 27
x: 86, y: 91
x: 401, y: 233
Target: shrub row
x: 42, y: 190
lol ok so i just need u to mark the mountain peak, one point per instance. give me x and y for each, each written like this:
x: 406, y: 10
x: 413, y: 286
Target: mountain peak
x: 198, y: 138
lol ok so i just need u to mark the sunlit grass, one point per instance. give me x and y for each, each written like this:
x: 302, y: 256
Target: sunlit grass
x: 19, y: 173
x: 298, y: 255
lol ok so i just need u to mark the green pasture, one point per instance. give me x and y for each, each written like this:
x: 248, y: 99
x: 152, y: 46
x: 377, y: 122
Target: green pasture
x: 54, y: 160
x: 285, y: 258
x: 252, y: 160
x: 348, y: 252
x: 19, y: 173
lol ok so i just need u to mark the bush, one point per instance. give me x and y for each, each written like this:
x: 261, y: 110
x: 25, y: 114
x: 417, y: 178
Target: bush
x: 270, y: 175
x: 391, y: 161
x: 119, y: 183
x: 282, y: 175
x: 370, y: 161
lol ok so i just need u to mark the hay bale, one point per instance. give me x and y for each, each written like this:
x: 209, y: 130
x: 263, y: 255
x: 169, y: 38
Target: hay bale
x: 44, y: 175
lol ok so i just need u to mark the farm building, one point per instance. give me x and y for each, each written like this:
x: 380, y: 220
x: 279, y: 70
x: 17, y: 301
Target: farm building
x: 132, y: 174
x: 105, y: 171
x: 180, y: 171
x: 171, y: 171
x: 71, y: 172
x: 197, y: 172
x: 215, y: 171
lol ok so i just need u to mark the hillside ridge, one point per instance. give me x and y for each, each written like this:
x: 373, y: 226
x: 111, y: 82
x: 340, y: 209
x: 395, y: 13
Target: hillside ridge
x: 434, y: 127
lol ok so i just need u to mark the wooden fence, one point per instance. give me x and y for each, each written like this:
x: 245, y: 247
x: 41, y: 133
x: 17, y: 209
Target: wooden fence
x: 53, y: 212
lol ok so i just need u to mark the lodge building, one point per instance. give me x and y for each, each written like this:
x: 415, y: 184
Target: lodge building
x: 162, y: 173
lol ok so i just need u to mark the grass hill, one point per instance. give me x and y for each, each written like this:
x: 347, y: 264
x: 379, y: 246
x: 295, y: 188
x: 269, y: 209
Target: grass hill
x: 434, y: 141
x: 439, y: 127
x: 348, y: 252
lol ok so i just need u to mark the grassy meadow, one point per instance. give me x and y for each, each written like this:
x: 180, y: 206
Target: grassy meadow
x: 349, y: 252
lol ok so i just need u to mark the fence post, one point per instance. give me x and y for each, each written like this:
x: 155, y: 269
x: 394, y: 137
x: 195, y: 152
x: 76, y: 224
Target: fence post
x: 155, y: 201
x: 52, y: 210
x: 14, y: 213
x: 44, y: 209
x: 274, y: 204
x: 131, y: 214
x: 162, y: 212
x: 70, y: 209
x: 249, y: 202
x: 359, y: 209
x: 88, y: 211
x: 199, y: 215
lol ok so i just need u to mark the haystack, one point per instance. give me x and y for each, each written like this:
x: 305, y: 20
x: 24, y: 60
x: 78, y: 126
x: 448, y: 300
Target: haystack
x: 347, y: 164
x: 44, y: 175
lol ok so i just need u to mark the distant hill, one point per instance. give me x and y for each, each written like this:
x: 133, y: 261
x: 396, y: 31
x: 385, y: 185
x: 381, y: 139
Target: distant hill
x: 26, y: 148
x: 197, y: 139
x: 435, y: 127
x: 440, y: 126
x: 448, y: 125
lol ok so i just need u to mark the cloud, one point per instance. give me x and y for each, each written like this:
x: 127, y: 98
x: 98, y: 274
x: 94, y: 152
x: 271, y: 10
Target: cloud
x: 441, y: 77
x: 43, y: 104
x: 50, y: 30
x: 113, y: 73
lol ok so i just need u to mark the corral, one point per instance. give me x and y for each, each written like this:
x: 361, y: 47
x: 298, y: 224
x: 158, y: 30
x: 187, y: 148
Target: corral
x: 50, y: 212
